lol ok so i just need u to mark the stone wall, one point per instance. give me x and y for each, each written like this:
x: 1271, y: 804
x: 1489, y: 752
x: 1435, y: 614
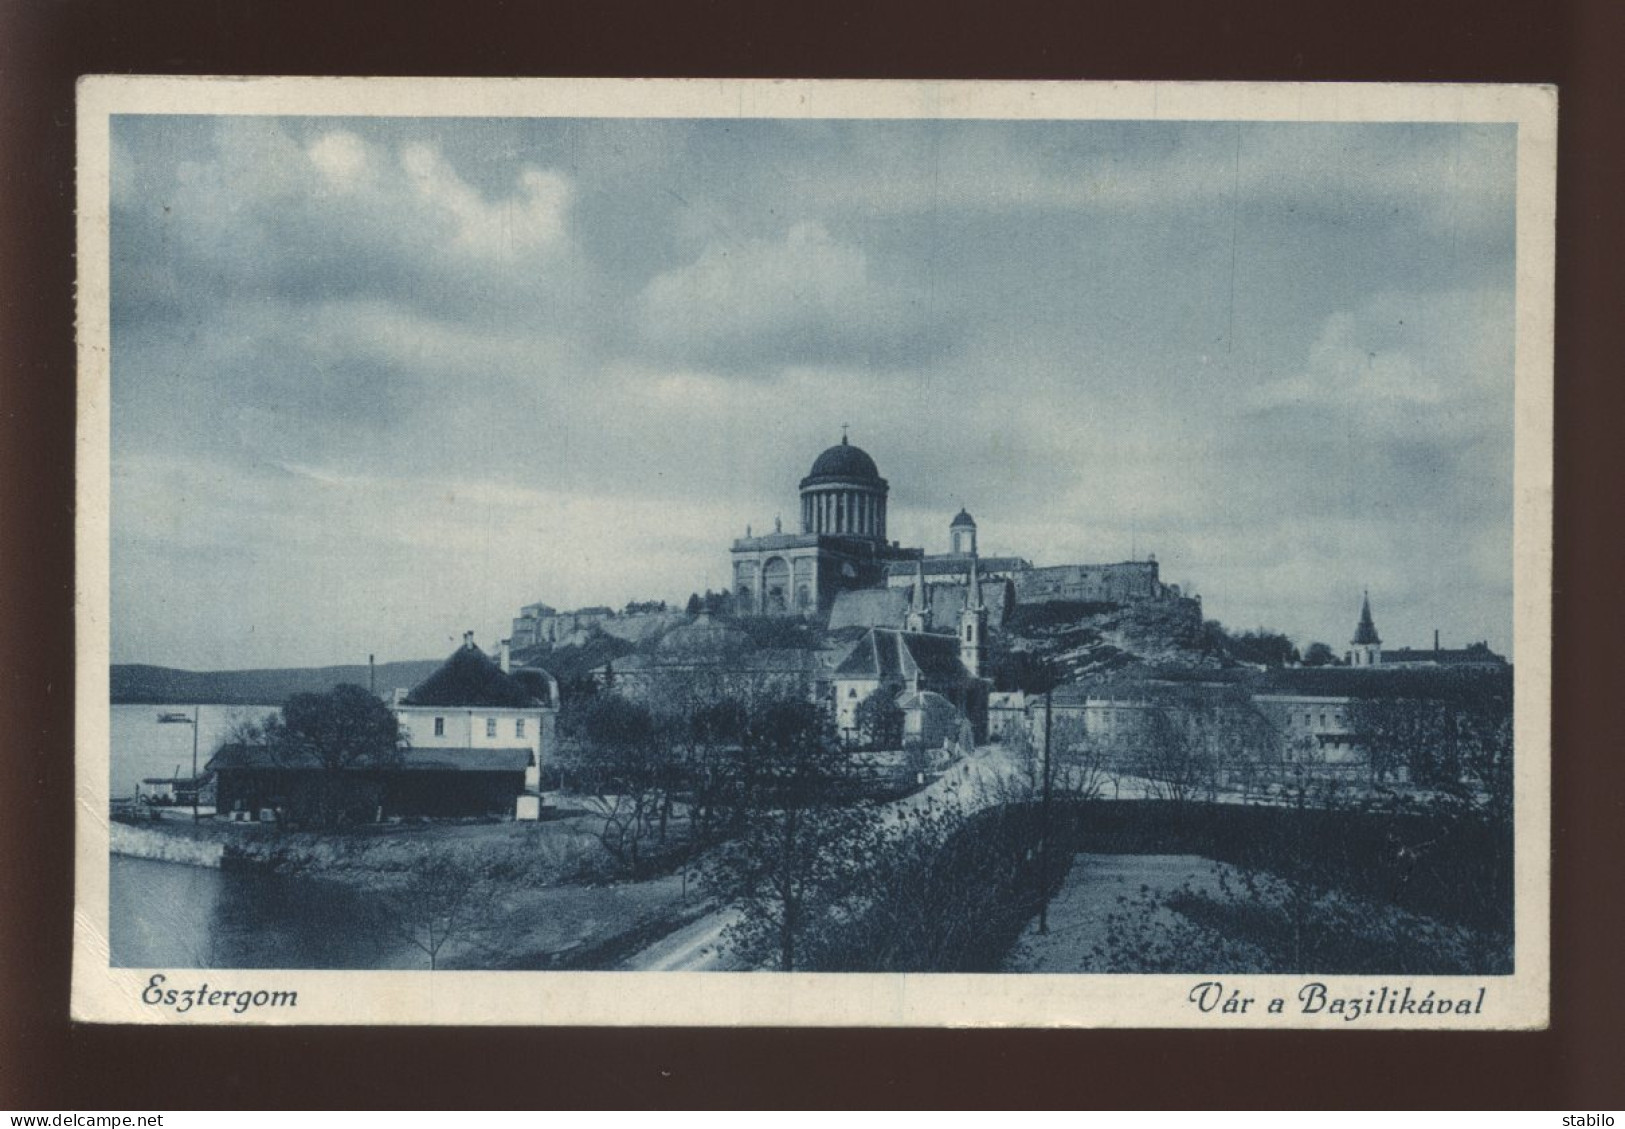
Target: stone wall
x: 552, y: 630
x: 1126, y: 582
x: 151, y: 843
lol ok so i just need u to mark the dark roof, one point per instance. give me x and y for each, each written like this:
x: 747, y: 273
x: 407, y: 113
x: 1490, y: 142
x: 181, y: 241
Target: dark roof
x: 1382, y: 681
x: 869, y: 607
x: 1366, y: 632
x: 843, y: 461
x: 232, y: 757
x: 962, y: 518
x: 540, y: 684
x: 1478, y: 653
x: 885, y: 653
x: 470, y: 678
x: 946, y: 601
x: 572, y: 660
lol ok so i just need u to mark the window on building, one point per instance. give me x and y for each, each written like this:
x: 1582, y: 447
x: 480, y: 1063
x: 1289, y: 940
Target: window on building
x: 490, y: 727
x: 439, y: 727
x: 518, y: 727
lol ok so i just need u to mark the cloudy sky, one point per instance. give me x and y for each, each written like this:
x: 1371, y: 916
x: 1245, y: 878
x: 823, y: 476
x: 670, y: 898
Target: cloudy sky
x: 376, y: 382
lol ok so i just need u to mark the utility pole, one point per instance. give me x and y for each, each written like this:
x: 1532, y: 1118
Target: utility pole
x: 1044, y: 825
x: 196, y: 711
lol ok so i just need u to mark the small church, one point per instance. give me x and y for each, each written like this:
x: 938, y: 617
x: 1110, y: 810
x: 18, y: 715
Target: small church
x: 926, y: 667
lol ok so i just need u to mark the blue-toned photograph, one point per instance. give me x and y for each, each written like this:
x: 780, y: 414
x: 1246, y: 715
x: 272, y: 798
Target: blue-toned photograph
x: 848, y: 545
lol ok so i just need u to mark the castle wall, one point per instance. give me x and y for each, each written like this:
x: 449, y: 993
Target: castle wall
x: 1123, y: 583
x: 536, y: 631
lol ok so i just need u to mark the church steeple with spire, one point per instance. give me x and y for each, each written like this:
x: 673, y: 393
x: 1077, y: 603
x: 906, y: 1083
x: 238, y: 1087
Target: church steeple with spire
x: 919, y: 614
x: 1365, y: 649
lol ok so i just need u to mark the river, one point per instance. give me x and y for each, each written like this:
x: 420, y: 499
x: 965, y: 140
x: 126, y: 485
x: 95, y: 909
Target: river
x: 168, y: 915
x: 144, y: 746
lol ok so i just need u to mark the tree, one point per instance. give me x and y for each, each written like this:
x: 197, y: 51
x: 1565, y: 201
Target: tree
x: 1079, y: 766
x: 618, y: 755
x: 791, y: 872
x: 337, y: 732
x: 443, y: 901
x: 1261, y: 647
x: 879, y: 721
x: 1173, y: 753
x: 1457, y: 741
x: 694, y: 605
x: 1319, y: 654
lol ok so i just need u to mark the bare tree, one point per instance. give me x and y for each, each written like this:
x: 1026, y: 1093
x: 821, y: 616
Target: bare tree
x: 443, y: 902
x: 619, y: 754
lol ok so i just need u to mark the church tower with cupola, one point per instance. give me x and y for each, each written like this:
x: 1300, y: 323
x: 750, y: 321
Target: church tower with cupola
x: 962, y: 535
x: 1365, y: 649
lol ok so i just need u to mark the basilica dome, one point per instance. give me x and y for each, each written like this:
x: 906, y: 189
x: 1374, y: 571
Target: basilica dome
x: 845, y: 461
x: 844, y: 496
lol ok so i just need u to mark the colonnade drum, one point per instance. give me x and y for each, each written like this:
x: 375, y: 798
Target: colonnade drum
x: 844, y: 510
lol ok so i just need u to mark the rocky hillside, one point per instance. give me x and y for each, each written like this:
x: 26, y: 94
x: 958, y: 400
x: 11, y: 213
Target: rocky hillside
x: 1089, y: 639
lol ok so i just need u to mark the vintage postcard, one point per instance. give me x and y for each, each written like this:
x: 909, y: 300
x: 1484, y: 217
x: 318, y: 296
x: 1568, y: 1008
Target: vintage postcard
x: 814, y: 553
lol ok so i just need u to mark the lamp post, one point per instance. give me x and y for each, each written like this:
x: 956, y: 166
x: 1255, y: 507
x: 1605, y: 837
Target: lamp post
x: 1037, y: 675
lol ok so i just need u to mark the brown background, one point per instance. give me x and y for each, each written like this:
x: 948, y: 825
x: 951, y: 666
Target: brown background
x: 46, y: 1063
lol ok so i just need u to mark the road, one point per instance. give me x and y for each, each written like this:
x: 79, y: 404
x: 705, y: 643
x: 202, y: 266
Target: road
x: 696, y: 947
x: 971, y: 784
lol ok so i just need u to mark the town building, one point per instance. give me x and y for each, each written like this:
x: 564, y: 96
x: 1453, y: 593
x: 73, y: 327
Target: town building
x: 711, y: 658
x: 473, y: 739
x: 1473, y: 655
x: 473, y: 703
x: 1316, y: 724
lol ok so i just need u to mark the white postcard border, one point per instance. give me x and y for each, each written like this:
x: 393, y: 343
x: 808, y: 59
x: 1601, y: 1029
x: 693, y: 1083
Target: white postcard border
x: 113, y: 995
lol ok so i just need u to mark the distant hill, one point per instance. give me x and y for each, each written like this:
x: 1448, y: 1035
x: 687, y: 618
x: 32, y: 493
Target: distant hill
x: 139, y: 684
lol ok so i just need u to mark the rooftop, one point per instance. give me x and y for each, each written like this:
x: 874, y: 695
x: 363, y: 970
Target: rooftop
x: 470, y: 678
x: 885, y: 653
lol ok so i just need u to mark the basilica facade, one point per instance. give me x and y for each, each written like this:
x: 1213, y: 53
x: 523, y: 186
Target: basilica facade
x: 841, y: 548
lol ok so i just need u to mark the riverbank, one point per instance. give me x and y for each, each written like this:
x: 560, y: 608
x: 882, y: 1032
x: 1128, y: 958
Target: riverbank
x: 378, y: 856
x: 541, y: 894
x: 156, y: 842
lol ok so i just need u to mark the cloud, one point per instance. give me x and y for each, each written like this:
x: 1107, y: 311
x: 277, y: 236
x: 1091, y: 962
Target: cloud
x: 355, y: 360
x: 254, y: 212
x: 802, y: 298
x: 1435, y: 365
